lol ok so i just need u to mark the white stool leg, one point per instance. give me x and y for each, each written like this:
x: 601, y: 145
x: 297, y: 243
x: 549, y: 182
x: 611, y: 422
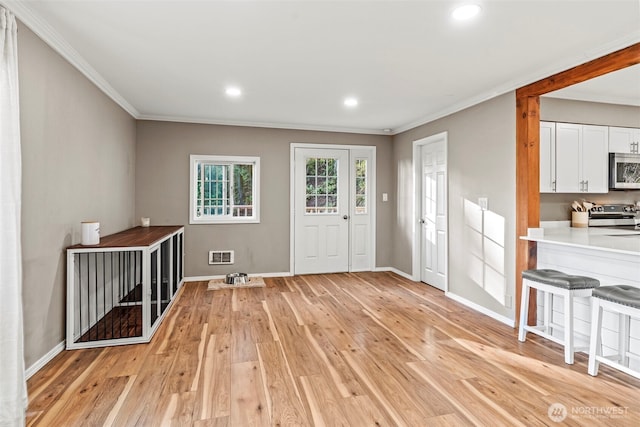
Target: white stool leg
x: 568, y: 327
x: 623, y: 338
x: 595, y: 347
x: 524, y: 310
x: 548, y: 310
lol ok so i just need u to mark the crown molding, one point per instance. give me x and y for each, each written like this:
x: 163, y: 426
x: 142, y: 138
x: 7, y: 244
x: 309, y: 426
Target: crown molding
x: 51, y: 37
x: 287, y: 126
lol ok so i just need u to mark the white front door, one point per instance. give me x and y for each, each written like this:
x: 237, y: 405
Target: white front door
x: 322, y: 210
x: 433, y: 213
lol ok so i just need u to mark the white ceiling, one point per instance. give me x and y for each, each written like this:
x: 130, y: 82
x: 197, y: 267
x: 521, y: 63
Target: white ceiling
x: 406, y: 61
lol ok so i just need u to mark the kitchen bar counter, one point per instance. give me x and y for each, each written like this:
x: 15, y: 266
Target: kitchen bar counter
x: 609, y: 255
x: 622, y: 241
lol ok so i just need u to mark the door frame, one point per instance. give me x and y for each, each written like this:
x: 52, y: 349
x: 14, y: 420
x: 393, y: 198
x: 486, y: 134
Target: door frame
x: 372, y: 183
x: 417, y: 205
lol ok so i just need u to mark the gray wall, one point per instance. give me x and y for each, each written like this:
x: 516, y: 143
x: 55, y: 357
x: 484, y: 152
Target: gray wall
x: 555, y: 207
x: 162, y: 190
x: 482, y: 155
x: 78, y: 151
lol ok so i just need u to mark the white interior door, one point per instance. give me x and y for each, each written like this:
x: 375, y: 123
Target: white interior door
x: 433, y: 215
x: 322, y: 210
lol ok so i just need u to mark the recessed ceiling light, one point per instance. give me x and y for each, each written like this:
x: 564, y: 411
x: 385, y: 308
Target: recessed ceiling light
x: 233, y: 91
x: 465, y: 12
x: 350, y: 102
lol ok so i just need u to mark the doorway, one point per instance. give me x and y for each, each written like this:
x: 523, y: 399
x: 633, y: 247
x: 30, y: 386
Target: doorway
x: 333, y: 215
x: 431, y: 237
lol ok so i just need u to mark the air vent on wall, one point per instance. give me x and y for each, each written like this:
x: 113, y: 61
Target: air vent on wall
x: 220, y: 257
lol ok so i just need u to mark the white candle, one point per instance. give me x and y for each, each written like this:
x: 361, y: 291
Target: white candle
x: 90, y: 233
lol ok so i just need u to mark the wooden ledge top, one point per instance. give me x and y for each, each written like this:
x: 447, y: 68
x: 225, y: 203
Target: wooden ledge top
x: 137, y: 236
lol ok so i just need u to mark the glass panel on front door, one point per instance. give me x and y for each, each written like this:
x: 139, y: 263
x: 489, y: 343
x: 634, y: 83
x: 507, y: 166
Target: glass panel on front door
x: 361, y: 186
x: 322, y: 186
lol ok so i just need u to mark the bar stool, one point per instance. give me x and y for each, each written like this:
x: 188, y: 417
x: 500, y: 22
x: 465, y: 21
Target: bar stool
x: 553, y: 282
x: 621, y: 299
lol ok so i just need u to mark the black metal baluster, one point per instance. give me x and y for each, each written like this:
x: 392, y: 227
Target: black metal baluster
x: 113, y: 306
x: 95, y: 292
x: 128, y: 296
x: 104, y: 295
x: 79, y: 294
x: 121, y: 262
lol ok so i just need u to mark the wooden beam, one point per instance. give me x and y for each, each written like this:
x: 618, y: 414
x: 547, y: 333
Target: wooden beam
x: 528, y: 190
x: 528, y: 152
x: 615, y: 61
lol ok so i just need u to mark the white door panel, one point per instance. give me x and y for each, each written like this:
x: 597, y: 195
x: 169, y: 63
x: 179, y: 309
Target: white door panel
x: 321, y: 203
x: 362, y: 206
x: 311, y: 242
x: 360, y: 239
x: 433, y: 218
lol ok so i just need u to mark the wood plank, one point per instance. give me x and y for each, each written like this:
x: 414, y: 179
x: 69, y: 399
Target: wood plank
x: 243, y: 348
x: 148, y: 383
x: 176, y: 409
x: 325, y: 407
x: 361, y: 410
x: 248, y: 402
x: 283, y: 396
x: 214, y: 385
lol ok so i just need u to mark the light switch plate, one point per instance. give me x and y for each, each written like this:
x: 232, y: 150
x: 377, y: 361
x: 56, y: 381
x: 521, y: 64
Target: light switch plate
x: 385, y: 197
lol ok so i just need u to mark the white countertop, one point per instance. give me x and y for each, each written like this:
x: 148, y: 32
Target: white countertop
x: 606, y: 239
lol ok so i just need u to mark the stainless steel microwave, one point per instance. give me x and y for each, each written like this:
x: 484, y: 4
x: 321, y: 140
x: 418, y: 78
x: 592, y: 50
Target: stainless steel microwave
x: 624, y: 171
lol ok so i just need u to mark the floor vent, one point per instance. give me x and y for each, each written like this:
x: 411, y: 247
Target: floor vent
x: 220, y: 257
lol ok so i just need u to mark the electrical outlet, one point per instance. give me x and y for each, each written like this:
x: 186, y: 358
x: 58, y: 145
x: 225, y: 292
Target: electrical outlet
x: 385, y: 197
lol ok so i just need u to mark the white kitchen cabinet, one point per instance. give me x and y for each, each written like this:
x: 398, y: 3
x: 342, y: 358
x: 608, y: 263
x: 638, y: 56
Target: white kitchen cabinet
x: 547, y: 157
x: 595, y: 159
x: 624, y: 140
x: 581, y: 161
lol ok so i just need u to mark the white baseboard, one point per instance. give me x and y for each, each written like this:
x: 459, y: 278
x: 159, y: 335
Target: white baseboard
x: 222, y: 276
x: 31, y: 370
x: 500, y: 318
x: 395, y: 270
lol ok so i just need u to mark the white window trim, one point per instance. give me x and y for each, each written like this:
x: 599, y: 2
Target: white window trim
x: 195, y: 158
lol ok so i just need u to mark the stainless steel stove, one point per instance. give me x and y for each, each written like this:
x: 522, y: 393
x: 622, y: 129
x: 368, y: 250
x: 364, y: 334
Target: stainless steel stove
x: 615, y: 215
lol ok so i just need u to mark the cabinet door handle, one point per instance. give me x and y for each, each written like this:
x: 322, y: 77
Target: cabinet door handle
x: 553, y: 185
x: 581, y: 185
x: 586, y: 185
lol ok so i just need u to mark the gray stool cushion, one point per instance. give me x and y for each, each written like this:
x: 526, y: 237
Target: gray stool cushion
x: 560, y: 279
x: 620, y: 294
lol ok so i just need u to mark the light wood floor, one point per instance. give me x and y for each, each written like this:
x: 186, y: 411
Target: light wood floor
x: 366, y: 349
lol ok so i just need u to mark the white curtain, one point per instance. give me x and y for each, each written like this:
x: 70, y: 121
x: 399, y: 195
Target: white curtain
x: 13, y: 389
